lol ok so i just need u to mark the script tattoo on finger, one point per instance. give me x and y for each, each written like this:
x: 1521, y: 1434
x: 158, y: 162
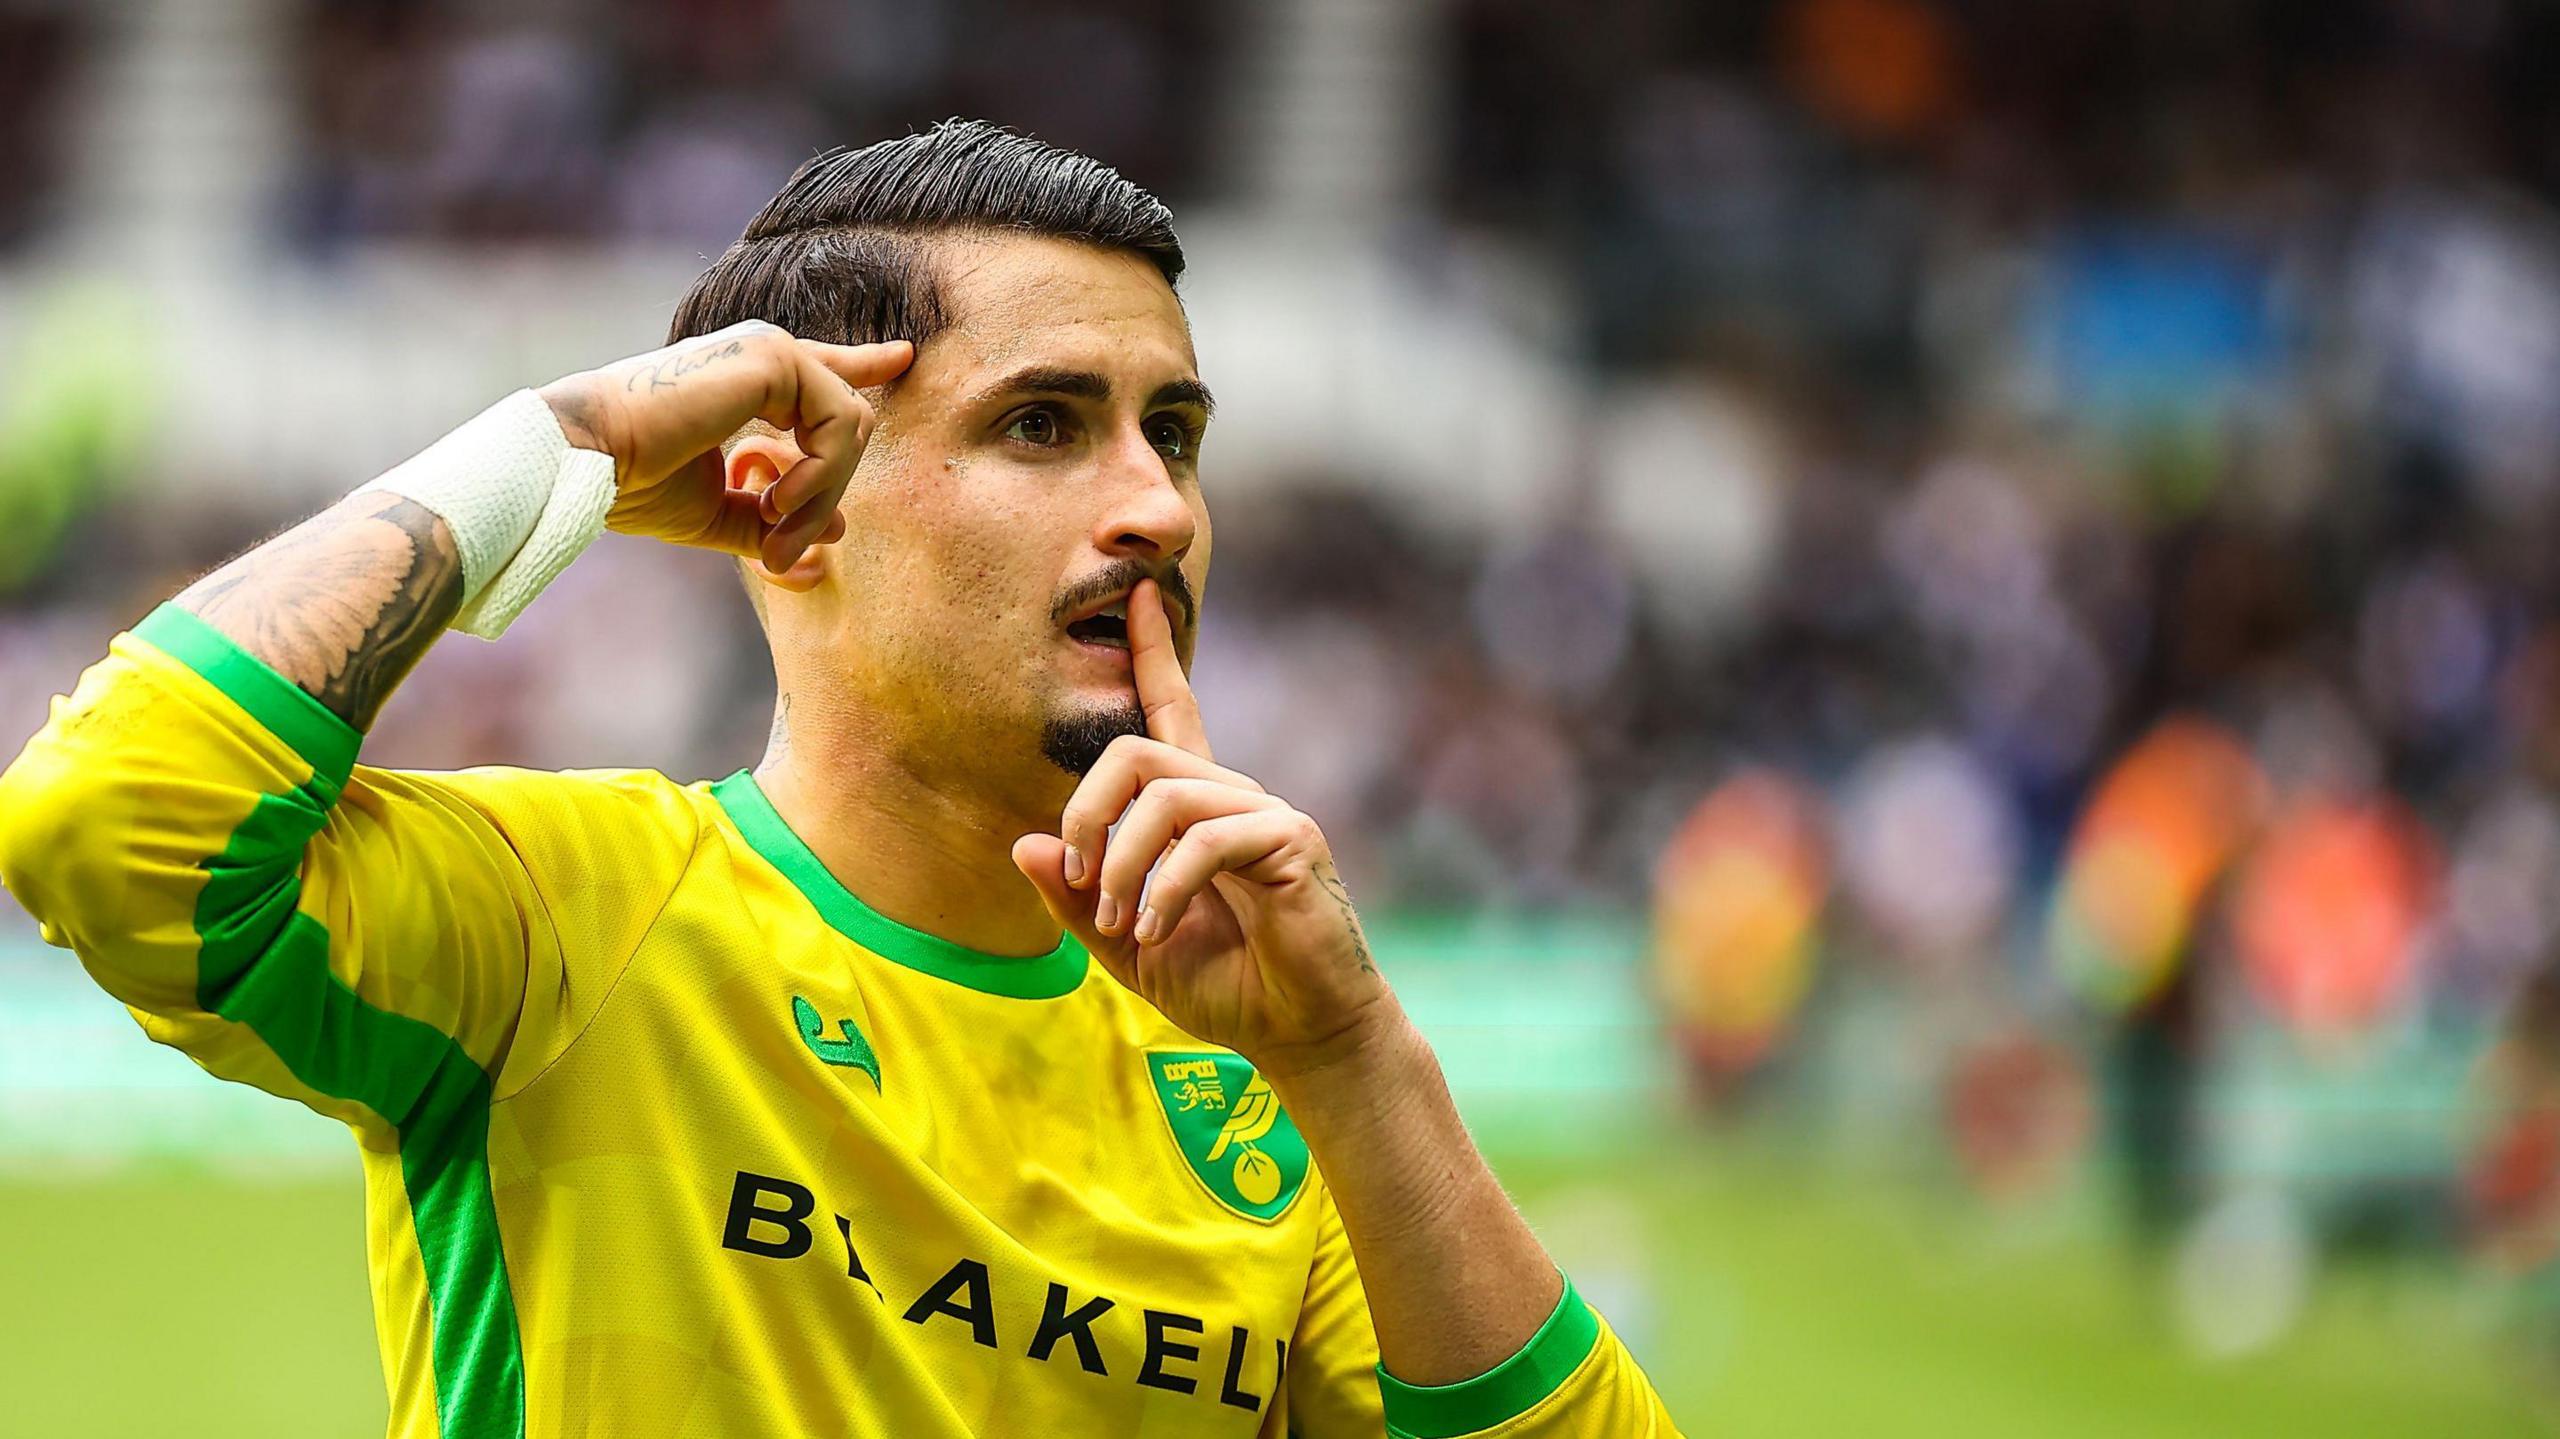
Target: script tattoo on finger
x: 663, y: 374
x: 1333, y: 886
x: 342, y: 604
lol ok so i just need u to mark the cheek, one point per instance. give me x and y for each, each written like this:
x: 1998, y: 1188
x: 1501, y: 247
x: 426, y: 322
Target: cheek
x: 953, y: 552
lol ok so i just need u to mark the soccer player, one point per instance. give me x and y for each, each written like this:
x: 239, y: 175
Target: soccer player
x: 989, y: 1061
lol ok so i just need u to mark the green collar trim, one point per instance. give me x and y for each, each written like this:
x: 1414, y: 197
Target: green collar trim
x: 1045, y: 976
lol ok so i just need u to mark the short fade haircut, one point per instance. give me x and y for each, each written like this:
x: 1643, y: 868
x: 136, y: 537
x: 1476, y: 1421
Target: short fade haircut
x: 840, y: 254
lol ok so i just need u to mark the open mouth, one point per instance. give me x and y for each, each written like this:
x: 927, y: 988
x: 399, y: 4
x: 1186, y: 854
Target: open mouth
x: 1109, y: 628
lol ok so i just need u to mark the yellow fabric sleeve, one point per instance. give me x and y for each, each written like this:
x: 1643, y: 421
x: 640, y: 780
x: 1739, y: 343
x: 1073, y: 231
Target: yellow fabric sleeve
x: 369, y: 943
x: 397, y: 951
x: 1572, y: 1380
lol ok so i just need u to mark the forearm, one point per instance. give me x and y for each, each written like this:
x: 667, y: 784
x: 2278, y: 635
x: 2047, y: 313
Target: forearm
x: 343, y: 604
x: 1456, y: 1282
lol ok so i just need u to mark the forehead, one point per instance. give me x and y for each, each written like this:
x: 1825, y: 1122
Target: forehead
x: 1018, y: 301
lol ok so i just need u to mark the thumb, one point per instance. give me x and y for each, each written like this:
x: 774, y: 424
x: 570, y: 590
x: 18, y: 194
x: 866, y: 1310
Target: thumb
x: 1042, y: 858
x: 863, y: 366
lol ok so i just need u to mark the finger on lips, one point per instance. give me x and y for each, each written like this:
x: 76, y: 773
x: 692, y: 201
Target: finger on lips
x: 1164, y: 692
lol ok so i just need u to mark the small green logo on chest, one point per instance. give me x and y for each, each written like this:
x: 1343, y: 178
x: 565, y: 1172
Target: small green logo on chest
x: 1231, y: 1129
x: 850, y: 1052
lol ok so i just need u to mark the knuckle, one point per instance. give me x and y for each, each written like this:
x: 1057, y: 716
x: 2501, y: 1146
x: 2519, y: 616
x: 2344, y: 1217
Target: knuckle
x: 1144, y: 809
x: 1123, y: 866
x: 1071, y: 821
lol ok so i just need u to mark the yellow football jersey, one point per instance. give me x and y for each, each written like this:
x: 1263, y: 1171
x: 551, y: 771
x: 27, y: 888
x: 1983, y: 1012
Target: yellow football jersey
x: 666, y: 1133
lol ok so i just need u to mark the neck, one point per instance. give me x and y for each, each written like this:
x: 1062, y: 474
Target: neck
x: 926, y: 855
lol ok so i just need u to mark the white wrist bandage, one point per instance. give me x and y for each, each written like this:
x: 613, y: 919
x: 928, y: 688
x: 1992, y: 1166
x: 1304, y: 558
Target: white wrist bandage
x: 522, y: 502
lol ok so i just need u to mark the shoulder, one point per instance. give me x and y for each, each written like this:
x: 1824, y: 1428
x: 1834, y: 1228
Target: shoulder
x: 608, y: 815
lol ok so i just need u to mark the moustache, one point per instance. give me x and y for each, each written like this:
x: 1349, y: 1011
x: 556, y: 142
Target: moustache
x: 1180, y: 607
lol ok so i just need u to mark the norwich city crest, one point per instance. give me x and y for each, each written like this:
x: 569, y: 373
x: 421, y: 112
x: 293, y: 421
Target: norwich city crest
x: 1230, y: 1126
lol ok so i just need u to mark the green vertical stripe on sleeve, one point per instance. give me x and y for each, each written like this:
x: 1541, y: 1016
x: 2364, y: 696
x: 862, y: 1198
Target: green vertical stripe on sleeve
x: 1500, y: 1394
x: 289, y: 712
x: 264, y: 964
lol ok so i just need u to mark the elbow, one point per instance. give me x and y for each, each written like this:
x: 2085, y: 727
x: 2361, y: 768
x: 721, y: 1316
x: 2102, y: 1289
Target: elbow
x: 75, y: 853
x: 53, y: 809
x: 39, y: 816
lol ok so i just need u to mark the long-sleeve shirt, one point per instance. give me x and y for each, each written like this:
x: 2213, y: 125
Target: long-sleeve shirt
x: 666, y: 1133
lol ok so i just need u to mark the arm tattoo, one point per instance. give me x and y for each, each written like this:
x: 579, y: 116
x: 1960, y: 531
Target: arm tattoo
x: 342, y: 604
x: 1332, y: 883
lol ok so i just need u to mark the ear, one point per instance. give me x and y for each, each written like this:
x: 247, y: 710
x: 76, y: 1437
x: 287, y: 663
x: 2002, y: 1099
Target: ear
x: 754, y: 463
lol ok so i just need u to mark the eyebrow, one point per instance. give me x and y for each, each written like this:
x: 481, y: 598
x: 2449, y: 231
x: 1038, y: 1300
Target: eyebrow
x: 1092, y: 385
x: 1185, y: 392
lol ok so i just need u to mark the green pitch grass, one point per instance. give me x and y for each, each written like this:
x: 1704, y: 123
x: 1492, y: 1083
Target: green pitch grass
x: 1763, y: 1303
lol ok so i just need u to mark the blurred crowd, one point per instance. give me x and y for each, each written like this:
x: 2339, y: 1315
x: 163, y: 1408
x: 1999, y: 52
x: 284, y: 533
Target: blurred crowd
x: 669, y: 120
x: 2156, y: 406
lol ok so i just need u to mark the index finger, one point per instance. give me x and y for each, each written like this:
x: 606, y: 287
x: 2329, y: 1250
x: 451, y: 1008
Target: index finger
x: 831, y: 422
x: 863, y: 366
x: 1164, y: 692
x: 826, y: 383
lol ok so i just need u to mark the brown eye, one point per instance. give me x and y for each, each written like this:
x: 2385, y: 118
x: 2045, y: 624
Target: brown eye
x: 1171, y: 437
x: 1034, y: 427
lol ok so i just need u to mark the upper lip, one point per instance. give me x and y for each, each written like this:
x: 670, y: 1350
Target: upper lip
x: 1098, y: 604
x: 1120, y: 597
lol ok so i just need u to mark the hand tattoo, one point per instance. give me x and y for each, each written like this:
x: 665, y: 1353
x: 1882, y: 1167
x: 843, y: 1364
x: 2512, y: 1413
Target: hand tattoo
x: 663, y: 374
x: 342, y: 604
x: 1332, y: 883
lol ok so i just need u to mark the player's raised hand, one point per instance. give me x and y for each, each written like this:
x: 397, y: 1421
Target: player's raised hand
x: 663, y: 415
x: 1244, y: 935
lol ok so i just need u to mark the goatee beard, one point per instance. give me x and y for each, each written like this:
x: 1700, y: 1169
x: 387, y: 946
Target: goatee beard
x: 1075, y: 742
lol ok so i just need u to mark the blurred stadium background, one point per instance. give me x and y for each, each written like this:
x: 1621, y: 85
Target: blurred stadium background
x: 1931, y: 627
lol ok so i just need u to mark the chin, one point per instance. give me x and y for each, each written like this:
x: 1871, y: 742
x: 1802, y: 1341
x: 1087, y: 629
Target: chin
x: 1074, y: 741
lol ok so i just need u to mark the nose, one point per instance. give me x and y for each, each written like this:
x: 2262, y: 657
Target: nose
x: 1149, y: 517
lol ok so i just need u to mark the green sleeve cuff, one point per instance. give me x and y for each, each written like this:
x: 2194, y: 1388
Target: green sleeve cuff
x: 1504, y: 1392
x: 287, y: 711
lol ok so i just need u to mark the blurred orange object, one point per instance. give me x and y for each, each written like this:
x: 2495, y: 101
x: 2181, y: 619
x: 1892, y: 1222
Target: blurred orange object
x: 2161, y: 829
x: 2329, y: 911
x: 1735, y: 899
x: 1879, y: 69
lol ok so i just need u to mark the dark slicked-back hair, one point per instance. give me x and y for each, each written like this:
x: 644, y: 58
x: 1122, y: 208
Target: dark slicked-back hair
x: 840, y: 254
